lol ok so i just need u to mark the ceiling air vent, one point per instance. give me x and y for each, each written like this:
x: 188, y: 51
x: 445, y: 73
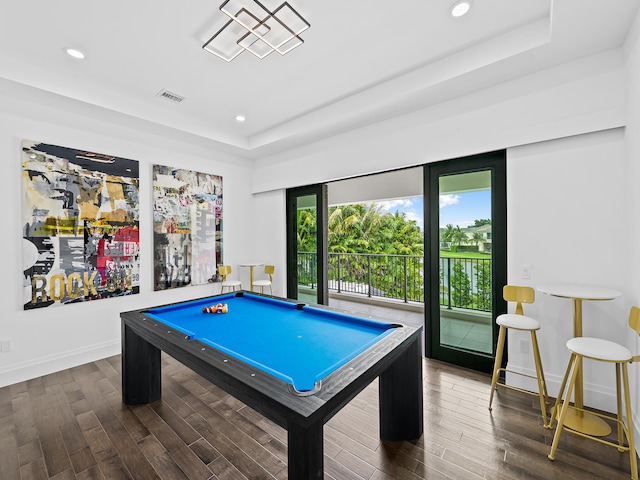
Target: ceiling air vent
x: 167, y: 95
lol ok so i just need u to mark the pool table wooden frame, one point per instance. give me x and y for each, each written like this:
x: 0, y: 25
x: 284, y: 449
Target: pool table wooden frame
x: 396, y: 359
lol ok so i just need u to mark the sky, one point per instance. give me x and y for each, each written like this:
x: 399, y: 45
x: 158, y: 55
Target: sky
x: 458, y: 209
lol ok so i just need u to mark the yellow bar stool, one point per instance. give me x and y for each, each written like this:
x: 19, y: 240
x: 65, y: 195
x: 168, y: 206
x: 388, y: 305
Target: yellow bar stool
x: 269, y: 270
x: 225, y: 270
x: 602, y: 351
x: 519, y: 321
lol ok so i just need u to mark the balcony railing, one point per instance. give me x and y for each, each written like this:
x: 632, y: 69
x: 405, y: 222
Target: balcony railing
x: 465, y: 283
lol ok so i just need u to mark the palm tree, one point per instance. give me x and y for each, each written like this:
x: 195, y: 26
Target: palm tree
x: 352, y: 226
x: 476, y: 238
x: 340, y: 226
x: 459, y: 237
x: 447, y: 234
x: 306, y: 230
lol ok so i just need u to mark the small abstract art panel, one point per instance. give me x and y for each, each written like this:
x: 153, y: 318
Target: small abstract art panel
x: 80, y: 225
x: 187, y: 227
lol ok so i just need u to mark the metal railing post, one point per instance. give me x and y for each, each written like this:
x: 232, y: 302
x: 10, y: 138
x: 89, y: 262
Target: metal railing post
x: 449, y: 279
x: 314, y: 261
x: 369, y: 275
x: 406, y: 277
x: 339, y: 273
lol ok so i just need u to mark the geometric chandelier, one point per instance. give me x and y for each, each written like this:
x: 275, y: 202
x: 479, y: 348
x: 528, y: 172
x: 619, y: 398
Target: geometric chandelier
x: 253, y: 28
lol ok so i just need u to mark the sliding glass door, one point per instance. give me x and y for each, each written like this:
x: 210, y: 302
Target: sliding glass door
x: 307, y: 244
x: 465, y: 258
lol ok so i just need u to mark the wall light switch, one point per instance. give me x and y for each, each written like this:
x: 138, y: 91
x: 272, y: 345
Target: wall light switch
x: 526, y: 271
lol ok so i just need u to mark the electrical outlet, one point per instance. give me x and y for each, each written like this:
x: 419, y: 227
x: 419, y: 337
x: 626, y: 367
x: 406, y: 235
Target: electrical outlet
x: 5, y: 345
x: 524, y: 346
x: 526, y: 271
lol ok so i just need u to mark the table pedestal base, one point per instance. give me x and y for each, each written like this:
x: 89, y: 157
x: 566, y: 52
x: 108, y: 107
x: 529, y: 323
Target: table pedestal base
x: 586, y: 423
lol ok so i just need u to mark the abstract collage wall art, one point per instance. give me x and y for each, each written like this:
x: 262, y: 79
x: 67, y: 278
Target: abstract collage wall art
x: 80, y: 225
x: 187, y: 227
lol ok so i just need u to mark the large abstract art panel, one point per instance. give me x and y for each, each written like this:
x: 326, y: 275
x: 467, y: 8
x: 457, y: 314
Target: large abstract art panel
x: 187, y: 227
x: 80, y: 225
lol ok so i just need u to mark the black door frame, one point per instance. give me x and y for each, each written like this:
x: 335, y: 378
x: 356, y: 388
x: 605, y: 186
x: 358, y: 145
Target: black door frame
x: 320, y: 191
x: 496, y: 162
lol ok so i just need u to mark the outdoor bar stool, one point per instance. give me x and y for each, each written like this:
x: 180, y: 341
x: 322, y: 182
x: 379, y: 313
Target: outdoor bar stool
x: 603, y: 351
x: 519, y: 321
x: 225, y: 270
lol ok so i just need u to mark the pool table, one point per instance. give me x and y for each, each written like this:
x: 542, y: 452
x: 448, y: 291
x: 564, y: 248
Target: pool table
x: 296, y: 364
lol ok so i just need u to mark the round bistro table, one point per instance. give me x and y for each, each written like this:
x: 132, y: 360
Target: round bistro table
x: 251, y: 266
x: 576, y: 419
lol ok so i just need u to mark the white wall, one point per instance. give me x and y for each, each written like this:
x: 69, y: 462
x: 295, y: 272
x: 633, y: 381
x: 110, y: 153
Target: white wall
x: 632, y: 199
x: 566, y: 219
x: 269, y: 236
x: 51, y: 339
x: 632, y: 137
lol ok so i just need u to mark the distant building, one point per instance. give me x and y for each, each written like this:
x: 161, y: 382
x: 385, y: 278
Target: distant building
x: 483, y: 232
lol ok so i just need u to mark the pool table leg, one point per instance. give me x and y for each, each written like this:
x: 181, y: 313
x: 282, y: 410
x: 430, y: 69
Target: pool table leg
x: 400, y: 395
x: 140, y: 369
x: 305, y: 451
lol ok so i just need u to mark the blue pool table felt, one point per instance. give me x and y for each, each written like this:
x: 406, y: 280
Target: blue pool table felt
x: 298, y: 346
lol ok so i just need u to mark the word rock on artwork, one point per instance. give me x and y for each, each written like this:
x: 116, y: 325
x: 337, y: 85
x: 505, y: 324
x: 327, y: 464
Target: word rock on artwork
x: 80, y: 225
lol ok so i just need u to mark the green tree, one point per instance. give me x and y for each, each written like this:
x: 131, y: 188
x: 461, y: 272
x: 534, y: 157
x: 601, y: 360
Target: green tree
x: 458, y: 237
x: 353, y: 228
x: 476, y: 238
x: 399, y: 236
x: 461, y: 285
x: 453, y: 235
x: 483, y: 285
x: 481, y: 222
x: 447, y: 234
x: 360, y: 228
x: 306, y: 231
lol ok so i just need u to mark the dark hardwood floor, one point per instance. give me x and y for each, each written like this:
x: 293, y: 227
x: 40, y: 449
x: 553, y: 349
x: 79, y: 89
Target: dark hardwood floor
x: 73, y: 425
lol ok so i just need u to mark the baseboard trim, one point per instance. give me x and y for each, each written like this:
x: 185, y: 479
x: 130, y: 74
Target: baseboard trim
x: 38, y: 367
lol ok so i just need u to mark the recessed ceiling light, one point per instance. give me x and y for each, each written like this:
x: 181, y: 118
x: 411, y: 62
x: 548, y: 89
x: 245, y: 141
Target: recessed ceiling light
x: 72, y: 52
x: 240, y: 118
x: 461, y: 8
